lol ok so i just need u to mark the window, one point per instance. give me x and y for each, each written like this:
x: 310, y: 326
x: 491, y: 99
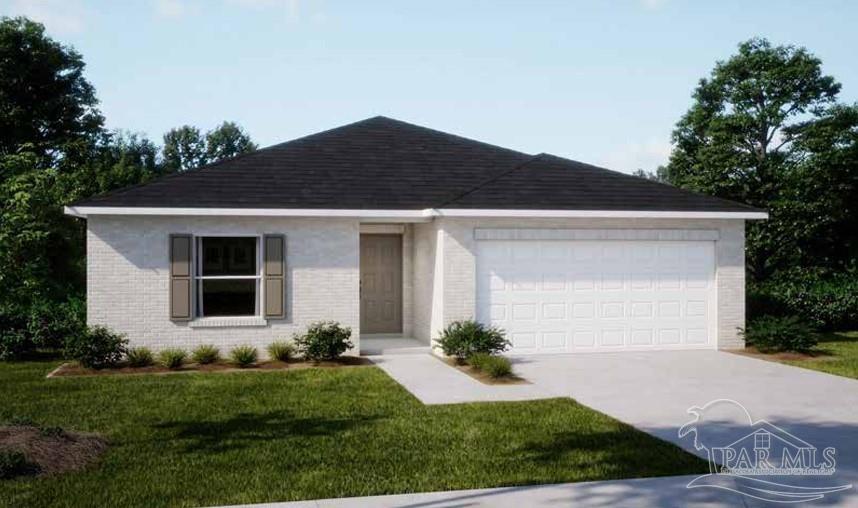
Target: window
x: 762, y: 441
x: 228, y: 275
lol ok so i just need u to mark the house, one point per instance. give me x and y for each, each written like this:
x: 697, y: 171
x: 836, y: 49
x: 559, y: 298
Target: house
x: 396, y: 230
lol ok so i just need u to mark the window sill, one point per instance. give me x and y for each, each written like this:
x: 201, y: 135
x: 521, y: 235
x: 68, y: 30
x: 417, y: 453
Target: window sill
x: 228, y: 322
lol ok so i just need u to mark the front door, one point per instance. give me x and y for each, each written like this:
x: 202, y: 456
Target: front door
x: 381, y: 283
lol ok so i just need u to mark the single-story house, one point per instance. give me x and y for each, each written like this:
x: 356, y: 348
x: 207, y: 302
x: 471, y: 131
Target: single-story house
x: 396, y: 230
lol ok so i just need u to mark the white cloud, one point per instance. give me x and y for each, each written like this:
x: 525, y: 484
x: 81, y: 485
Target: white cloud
x: 60, y: 17
x: 653, y: 5
x: 647, y: 155
x: 170, y: 8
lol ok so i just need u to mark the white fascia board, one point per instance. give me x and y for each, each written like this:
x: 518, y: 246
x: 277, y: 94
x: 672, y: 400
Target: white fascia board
x: 403, y: 215
x: 606, y: 214
x: 369, y: 215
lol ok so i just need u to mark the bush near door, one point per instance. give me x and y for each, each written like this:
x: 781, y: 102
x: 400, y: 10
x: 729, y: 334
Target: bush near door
x: 492, y: 365
x: 325, y: 340
x: 461, y: 339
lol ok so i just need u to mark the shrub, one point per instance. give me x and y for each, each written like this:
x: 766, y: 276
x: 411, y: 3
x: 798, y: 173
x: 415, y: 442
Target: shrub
x: 325, y: 340
x: 243, y: 356
x: 281, y: 350
x: 461, y: 339
x: 13, y: 341
x: 42, y: 323
x: 49, y: 323
x: 14, y: 464
x: 493, y: 365
x: 771, y: 334
x: 172, y: 358
x: 205, y: 354
x: 825, y: 300
x: 139, y: 357
x: 97, y: 347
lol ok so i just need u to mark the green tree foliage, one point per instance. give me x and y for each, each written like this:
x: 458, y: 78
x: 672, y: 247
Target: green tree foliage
x: 766, y: 129
x: 47, y: 107
x: 54, y: 151
x: 227, y: 140
x: 659, y: 175
x: 186, y: 148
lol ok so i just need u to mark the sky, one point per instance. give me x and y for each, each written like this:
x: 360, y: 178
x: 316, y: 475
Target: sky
x: 602, y: 82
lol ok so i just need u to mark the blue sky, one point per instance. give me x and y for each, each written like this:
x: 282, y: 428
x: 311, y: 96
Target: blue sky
x: 602, y: 82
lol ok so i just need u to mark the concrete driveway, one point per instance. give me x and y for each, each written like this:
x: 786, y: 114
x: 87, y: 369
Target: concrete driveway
x: 653, y: 391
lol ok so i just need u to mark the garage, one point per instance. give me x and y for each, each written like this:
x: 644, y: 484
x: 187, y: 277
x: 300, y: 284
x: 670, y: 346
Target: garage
x: 561, y: 296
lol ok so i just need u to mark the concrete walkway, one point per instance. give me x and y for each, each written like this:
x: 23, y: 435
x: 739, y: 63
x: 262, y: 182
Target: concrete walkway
x: 433, y: 382
x: 643, y: 493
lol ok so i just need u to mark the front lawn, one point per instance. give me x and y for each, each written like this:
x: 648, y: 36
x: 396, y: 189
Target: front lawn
x: 249, y: 437
x: 837, y: 353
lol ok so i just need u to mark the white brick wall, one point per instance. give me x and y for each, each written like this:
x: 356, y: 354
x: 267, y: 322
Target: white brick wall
x: 128, y: 276
x: 455, y: 294
x: 424, y: 238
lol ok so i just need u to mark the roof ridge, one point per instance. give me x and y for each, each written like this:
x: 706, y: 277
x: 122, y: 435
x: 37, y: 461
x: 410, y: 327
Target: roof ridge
x: 491, y: 179
x: 459, y: 140
x: 449, y: 136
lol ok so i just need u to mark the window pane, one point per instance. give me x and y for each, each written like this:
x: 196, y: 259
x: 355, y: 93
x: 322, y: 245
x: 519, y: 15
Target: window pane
x: 229, y: 256
x: 229, y: 297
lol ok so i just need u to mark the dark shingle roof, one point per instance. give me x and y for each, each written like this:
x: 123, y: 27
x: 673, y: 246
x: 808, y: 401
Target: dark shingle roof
x: 548, y: 182
x: 381, y: 163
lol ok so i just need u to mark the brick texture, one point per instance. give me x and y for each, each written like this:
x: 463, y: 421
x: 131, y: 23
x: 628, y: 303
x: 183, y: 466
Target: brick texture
x: 128, y: 275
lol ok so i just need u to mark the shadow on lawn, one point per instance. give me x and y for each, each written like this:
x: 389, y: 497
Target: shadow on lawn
x: 617, y: 450
x: 245, y: 429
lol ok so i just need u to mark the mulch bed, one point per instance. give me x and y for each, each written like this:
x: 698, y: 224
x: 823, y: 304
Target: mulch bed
x: 75, y: 369
x: 484, y: 378
x: 786, y: 355
x: 52, y: 451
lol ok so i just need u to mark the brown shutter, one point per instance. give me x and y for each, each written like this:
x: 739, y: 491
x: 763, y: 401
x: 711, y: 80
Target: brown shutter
x: 181, y: 274
x: 275, y: 276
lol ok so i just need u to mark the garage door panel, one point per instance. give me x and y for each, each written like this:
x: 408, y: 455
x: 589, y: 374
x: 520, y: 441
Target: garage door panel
x: 641, y: 337
x: 553, y: 340
x: 613, y: 337
x: 567, y: 296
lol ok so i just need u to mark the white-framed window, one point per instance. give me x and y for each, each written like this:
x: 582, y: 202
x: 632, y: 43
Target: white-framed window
x: 229, y: 275
x: 762, y: 440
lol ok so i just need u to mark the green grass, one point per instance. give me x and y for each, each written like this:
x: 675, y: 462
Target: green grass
x: 837, y: 353
x: 248, y: 437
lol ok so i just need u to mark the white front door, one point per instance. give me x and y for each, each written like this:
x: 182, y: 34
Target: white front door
x: 575, y: 296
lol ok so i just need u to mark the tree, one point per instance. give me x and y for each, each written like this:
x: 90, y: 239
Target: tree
x: 763, y: 127
x: 227, y: 140
x: 47, y: 107
x: 184, y: 148
x: 659, y: 175
x: 54, y: 151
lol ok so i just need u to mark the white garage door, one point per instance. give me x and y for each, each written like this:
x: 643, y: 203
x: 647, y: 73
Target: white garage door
x: 574, y: 296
